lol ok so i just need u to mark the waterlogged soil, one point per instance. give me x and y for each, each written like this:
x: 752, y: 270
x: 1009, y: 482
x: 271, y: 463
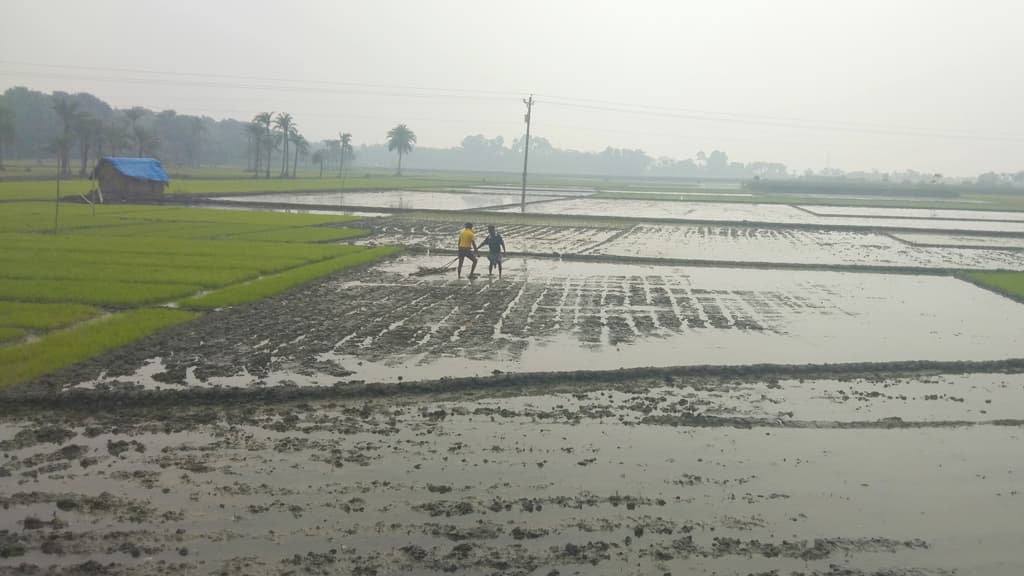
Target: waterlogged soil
x: 519, y: 238
x: 717, y: 243
x: 754, y: 213
x: 940, y: 214
x: 928, y: 239
x: 385, y: 324
x: 395, y: 199
x: 879, y: 475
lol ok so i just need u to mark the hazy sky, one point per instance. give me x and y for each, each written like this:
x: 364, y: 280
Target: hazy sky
x: 933, y: 85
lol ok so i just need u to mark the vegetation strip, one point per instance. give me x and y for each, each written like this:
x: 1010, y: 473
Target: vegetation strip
x: 65, y: 347
x: 269, y: 285
x: 1009, y: 284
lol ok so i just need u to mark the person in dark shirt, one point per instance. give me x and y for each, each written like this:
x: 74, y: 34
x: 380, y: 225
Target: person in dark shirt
x: 495, y: 245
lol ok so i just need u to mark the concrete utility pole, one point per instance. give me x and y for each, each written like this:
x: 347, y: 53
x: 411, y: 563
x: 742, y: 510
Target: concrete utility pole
x: 526, y: 150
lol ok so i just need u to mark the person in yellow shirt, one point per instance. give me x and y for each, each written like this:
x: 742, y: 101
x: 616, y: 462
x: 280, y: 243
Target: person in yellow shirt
x: 467, y: 248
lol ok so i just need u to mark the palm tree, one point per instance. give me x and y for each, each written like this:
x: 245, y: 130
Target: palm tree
x: 6, y: 131
x: 68, y: 113
x: 255, y: 132
x: 346, y: 146
x: 402, y: 139
x: 318, y: 158
x: 333, y: 149
x: 264, y: 119
x: 284, y: 123
x: 301, y: 148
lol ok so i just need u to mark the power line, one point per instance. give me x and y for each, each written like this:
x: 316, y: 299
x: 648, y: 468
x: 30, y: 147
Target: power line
x: 244, y: 82
x: 262, y: 78
x: 767, y: 121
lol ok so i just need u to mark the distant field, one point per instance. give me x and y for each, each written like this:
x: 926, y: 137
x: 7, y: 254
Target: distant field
x: 1011, y: 283
x: 103, y: 279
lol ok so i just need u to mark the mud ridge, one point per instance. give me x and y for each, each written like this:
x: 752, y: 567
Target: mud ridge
x: 29, y: 397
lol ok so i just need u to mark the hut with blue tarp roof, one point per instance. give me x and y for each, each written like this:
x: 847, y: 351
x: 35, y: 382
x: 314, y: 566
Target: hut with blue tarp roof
x: 130, y: 180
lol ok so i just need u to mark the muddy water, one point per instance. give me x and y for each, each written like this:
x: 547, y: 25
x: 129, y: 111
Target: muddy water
x: 961, y: 240
x: 941, y: 214
x: 694, y: 477
x: 546, y: 315
x: 825, y: 247
x: 754, y: 213
x: 400, y: 199
x: 518, y: 237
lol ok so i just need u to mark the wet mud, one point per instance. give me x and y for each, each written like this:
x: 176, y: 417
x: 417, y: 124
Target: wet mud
x: 685, y: 475
x: 570, y: 418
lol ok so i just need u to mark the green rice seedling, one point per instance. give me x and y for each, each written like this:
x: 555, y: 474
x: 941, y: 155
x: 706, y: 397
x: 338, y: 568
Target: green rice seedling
x: 305, y: 234
x: 22, y: 362
x: 1011, y: 283
x: 270, y: 285
x: 43, y: 316
x: 8, y: 333
x: 92, y: 292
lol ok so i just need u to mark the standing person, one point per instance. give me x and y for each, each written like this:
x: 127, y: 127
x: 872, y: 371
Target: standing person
x: 467, y: 248
x: 495, y: 246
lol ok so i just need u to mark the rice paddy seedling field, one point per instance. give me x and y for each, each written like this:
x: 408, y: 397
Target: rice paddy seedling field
x: 105, y: 278
x: 1011, y: 283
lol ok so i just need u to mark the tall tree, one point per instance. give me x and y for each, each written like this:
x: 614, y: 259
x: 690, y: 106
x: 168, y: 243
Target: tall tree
x: 284, y: 123
x: 333, y: 150
x: 137, y: 131
x: 117, y: 137
x: 265, y: 120
x: 301, y: 148
x: 346, y: 147
x: 6, y: 131
x: 87, y: 130
x: 318, y: 158
x: 255, y: 133
x: 67, y: 112
x: 147, y: 141
x: 402, y: 139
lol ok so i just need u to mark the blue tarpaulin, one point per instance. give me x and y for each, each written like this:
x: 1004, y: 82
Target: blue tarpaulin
x: 139, y: 168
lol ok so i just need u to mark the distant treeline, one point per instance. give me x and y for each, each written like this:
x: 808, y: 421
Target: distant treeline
x: 80, y: 128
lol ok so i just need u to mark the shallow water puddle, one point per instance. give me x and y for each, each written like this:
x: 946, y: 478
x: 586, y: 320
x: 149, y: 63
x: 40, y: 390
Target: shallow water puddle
x: 546, y: 315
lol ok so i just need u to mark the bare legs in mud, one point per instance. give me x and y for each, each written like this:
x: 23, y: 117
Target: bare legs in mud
x: 472, y: 257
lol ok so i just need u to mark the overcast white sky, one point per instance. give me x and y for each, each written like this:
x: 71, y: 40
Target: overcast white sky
x: 934, y: 85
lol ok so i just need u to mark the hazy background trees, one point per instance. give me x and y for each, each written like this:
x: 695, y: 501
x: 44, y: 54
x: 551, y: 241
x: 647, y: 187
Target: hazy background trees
x: 80, y: 128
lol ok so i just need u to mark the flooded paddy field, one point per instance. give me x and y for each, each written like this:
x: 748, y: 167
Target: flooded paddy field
x: 802, y: 246
x: 583, y: 414
x: 755, y: 213
x: 545, y: 315
x: 902, y: 475
x: 939, y: 214
x: 533, y: 238
x: 931, y: 239
x: 393, y: 199
x: 694, y: 243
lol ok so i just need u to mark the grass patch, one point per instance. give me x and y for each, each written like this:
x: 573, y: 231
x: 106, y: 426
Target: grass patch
x: 62, y: 348
x: 91, y: 292
x: 309, y: 234
x: 124, y: 258
x: 269, y: 285
x: 1011, y: 283
x: 363, y: 182
x: 8, y: 333
x: 43, y: 316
